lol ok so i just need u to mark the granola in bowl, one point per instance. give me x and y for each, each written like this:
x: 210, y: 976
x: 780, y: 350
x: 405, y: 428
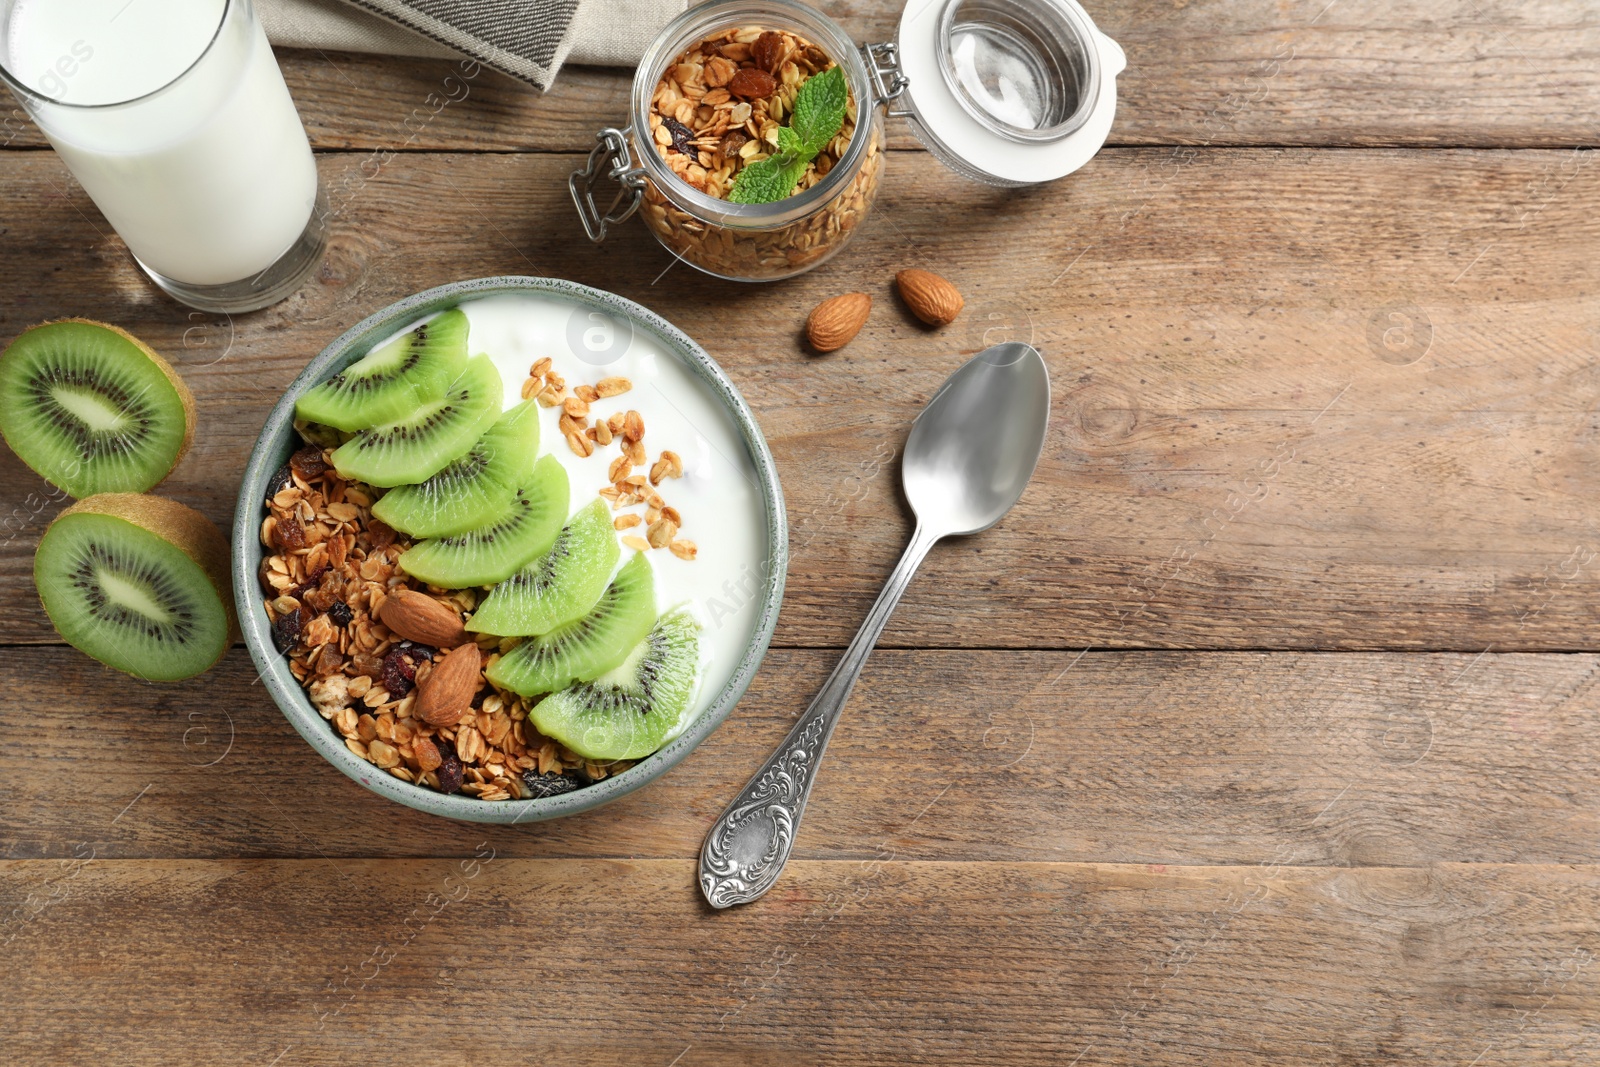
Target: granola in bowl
x: 329, y: 567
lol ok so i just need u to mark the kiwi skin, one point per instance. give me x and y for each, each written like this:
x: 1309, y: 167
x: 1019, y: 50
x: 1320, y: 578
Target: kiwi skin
x: 165, y: 368
x: 179, y: 525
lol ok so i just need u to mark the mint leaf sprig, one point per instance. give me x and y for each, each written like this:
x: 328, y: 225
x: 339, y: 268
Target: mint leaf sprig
x: 818, y: 116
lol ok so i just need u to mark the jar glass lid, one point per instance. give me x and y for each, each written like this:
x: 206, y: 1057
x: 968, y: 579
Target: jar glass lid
x: 1009, y: 91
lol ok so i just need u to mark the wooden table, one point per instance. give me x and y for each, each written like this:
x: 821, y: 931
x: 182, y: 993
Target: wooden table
x: 1263, y: 731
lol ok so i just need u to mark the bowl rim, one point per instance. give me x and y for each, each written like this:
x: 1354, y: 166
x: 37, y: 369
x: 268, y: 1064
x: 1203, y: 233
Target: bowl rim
x: 271, y: 451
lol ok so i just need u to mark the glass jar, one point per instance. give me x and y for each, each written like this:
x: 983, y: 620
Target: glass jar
x: 1005, y: 92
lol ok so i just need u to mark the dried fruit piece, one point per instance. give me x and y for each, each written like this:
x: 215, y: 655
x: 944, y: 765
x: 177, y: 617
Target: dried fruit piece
x: 286, y: 630
x: 833, y: 323
x: 931, y: 298
x: 400, y: 667
x: 280, y: 481
x: 752, y: 84
x: 340, y: 614
x: 769, y: 51
x: 290, y: 534
x: 427, y: 753
x: 309, y: 463
x: 450, y: 772
x: 682, y: 136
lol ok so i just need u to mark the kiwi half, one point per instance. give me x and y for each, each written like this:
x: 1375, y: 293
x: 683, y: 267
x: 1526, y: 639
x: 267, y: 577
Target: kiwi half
x: 587, y: 647
x: 390, y: 381
x: 92, y: 409
x: 138, y: 582
x: 527, y: 526
x: 557, y: 587
x: 473, y: 490
x: 630, y: 710
x: 431, y: 437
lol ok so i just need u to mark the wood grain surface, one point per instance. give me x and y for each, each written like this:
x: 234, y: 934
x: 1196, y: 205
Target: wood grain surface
x: 1261, y: 732
x: 1302, y: 398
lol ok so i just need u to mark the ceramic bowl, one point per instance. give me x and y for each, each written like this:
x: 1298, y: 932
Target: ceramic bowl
x: 278, y: 441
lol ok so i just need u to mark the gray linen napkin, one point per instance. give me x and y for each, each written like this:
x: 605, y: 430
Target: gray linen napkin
x: 527, y: 39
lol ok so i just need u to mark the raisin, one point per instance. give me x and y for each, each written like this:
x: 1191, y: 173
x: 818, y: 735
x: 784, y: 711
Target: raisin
x: 290, y: 534
x: 379, y: 535
x: 732, y: 141
x: 769, y: 51
x: 286, y: 631
x: 278, y: 483
x: 340, y: 614
x: 308, y: 463
x: 427, y: 753
x: 400, y: 667
x: 548, y: 785
x: 450, y: 772
x: 751, y: 83
x: 681, y: 136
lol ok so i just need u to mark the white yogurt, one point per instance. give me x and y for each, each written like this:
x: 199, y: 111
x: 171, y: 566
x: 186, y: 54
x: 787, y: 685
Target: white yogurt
x: 209, y: 180
x: 719, y: 495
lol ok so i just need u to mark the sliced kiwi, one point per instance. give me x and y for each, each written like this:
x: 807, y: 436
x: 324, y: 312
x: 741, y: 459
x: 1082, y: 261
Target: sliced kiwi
x: 630, y: 710
x: 138, y: 582
x: 92, y: 409
x: 473, y: 490
x: 557, y: 587
x: 431, y: 437
x: 527, y: 526
x: 389, y: 382
x: 584, y: 648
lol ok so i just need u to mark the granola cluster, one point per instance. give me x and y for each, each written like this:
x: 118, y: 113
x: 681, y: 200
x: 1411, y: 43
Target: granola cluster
x: 625, y: 429
x: 717, y: 109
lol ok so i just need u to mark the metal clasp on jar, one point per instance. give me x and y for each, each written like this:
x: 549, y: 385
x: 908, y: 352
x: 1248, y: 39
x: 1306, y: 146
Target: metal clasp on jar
x: 883, y: 66
x: 612, y: 158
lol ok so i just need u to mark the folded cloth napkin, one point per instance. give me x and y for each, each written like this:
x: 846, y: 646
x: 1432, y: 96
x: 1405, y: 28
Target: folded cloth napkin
x: 527, y: 39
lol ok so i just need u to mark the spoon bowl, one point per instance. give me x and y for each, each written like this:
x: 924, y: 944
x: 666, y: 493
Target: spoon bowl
x: 974, y: 447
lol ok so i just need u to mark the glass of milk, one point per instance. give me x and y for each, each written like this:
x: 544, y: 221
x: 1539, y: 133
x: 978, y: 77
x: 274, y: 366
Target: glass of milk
x: 174, y: 117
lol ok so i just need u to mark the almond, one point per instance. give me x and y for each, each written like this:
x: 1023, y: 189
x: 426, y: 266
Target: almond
x: 930, y: 298
x: 418, y: 617
x: 446, y: 694
x: 833, y: 323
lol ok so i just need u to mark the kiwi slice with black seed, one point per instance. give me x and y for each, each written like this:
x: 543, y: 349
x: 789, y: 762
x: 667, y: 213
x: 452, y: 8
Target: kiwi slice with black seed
x: 138, y: 582
x: 431, y: 437
x: 92, y: 409
x: 389, y: 382
x: 630, y: 710
x: 587, y: 647
x: 527, y: 526
x: 475, y: 489
x: 557, y: 587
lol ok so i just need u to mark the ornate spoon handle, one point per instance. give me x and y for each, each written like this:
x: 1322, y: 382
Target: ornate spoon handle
x: 750, y: 842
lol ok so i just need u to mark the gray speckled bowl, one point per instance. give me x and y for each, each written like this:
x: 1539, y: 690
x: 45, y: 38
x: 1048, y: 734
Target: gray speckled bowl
x: 278, y: 441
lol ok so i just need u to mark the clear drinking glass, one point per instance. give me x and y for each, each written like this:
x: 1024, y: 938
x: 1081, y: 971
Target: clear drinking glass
x: 174, y: 117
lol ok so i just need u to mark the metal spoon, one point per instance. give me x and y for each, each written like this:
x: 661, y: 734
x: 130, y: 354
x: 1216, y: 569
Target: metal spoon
x: 969, y: 456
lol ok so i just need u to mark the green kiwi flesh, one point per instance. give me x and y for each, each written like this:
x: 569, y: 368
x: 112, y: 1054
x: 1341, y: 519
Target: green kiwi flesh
x: 630, y: 710
x: 557, y: 587
x: 474, y: 489
x: 139, y: 583
x: 92, y: 409
x: 431, y: 437
x: 587, y: 647
x: 527, y: 526
x: 391, y: 381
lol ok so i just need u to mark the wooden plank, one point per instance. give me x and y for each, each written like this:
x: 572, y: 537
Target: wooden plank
x: 1152, y: 757
x: 616, y: 962
x: 1251, y: 446
x: 1366, y: 72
